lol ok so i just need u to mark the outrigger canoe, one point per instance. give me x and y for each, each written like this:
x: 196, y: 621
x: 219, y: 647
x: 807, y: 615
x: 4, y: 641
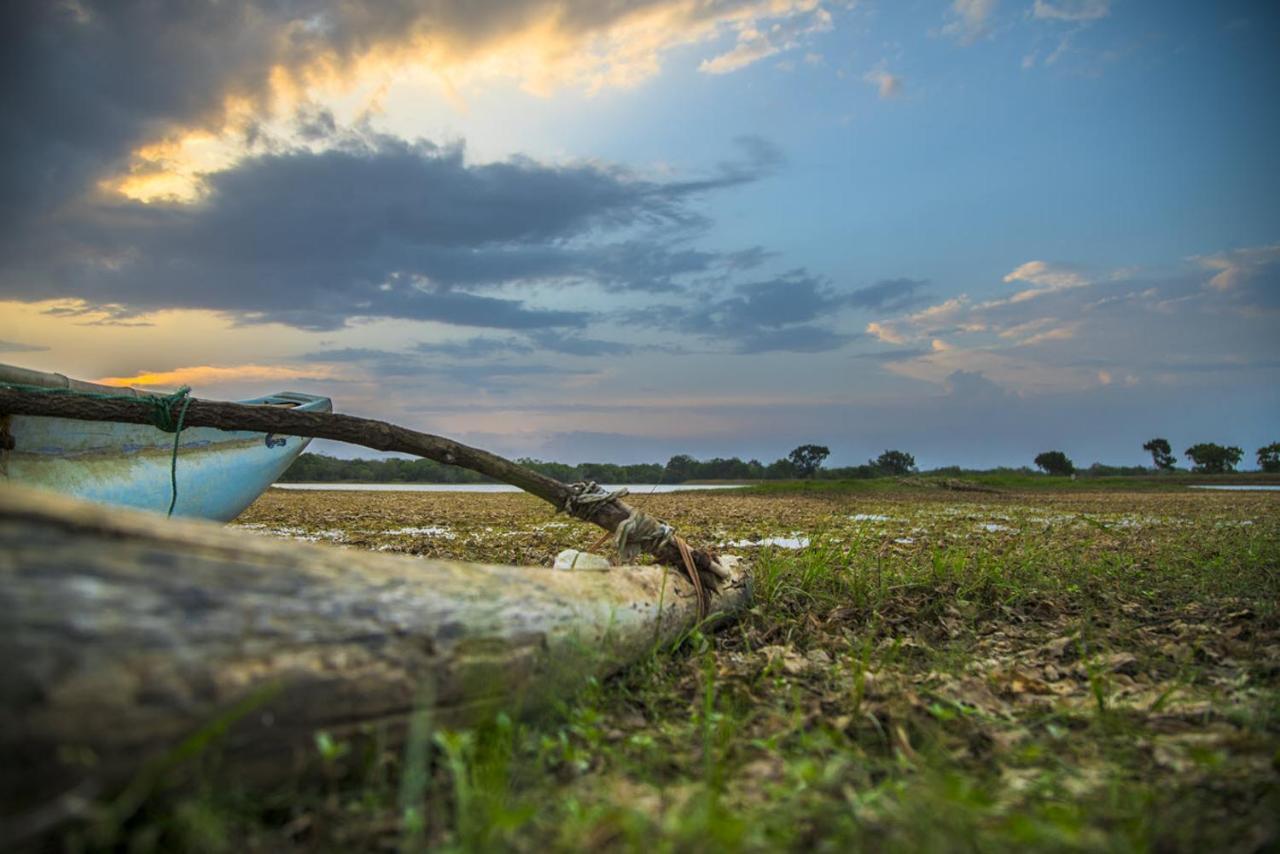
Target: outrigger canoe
x: 219, y: 472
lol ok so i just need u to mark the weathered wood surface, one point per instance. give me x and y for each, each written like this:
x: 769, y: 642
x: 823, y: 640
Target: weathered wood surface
x: 367, y: 432
x: 121, y: 633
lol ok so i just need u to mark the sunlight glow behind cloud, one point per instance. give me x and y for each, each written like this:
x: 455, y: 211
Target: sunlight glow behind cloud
x: 442, y: 53
x: 207, y: 375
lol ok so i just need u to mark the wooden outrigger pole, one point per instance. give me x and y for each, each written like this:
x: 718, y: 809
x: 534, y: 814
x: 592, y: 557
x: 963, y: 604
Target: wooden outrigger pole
x: 636, y: 531
x: 125, y: 636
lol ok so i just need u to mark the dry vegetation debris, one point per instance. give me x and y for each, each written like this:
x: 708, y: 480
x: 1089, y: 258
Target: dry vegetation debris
x: 932, y: 669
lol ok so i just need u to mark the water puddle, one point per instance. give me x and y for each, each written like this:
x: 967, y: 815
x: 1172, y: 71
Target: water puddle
x: 427, y: 531
x: 302, y: 534
x: 779, y: 542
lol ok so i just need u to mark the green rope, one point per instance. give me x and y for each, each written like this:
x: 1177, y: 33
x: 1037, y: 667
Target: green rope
x: 161, y: 416
x: 183, y: 394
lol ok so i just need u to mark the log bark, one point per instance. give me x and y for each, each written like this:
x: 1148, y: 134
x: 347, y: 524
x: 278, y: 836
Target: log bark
x: 370, y: 433
x: 122, y: 634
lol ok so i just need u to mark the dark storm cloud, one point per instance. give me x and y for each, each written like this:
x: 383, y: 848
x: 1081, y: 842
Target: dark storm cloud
x: 373, y: 227
x: 889, y: 294
x: 83, y: 84
x: 315, y: 123
x: 82, y: 87
x: 376, y: 228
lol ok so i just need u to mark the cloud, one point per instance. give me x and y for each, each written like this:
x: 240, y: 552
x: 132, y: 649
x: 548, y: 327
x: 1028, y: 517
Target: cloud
x: 806, y: 338
x: 1135, y: 326
x: 1064, y: 332
x: 969, y: 20
x: 886, y: 333
x: 203, y: 375
x: 1046, y: 275
x: 125, y: 96
x: 481, y: 366
x: 1249, y: 276
x: 483, y: 348
x: 1040, y: 330
x: 503, y: 377
x: 578, y: 345
x: 1235, y: 269
x: 890, y: 356
x: 974, y: 386
x: 479, y: 347
x: 16, y: 347
x: 349, y: 354
x: 784, y: 313
x: 755, y: 43
x: 379, y: 227
x: 1027, y: 328
x: 940, y: 316
x: 889, y: 294
x: 774, y: 314
x: 1071, y: 10
x: 887, y: 85
x: 1047, y: 278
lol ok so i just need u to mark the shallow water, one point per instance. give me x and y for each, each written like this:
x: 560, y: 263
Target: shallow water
x: 779, y: 542
x: 633, y: 488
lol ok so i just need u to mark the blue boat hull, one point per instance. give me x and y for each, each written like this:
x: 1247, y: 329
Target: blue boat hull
x: 219, y: 473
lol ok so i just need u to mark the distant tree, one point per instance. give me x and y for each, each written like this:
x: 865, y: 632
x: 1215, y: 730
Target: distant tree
x: 807, y: 459
x: 1055, y: 462
x: 1214, y: 459
x: 1161, y: 454
x: 780, y: 470
x: 1104, y: 470
x: 1269, y: 457
x: 679, y: 469
x: 896, y: 462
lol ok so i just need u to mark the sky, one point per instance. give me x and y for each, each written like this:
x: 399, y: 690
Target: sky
x: 583, y: 231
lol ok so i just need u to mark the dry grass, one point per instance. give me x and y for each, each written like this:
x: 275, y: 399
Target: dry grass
x: 934, y: 670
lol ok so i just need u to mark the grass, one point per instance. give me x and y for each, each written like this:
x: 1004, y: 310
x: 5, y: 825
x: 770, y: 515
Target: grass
x: 935, y: 671
x: 1019, y: 482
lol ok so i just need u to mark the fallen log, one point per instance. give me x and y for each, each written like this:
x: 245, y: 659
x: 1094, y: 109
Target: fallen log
x: 640, y: 532
x: 122, y: 634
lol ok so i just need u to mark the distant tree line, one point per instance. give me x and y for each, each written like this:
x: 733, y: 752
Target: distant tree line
x: 804, y: 461
x: 1206, y: 458
x: 1211, y: 458
x: 319, y: 468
